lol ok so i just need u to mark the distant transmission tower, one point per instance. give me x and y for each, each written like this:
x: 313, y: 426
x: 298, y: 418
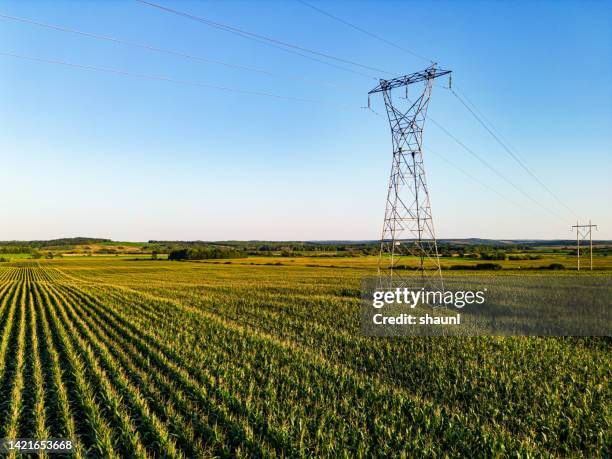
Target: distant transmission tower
x: 408, y: 229
x: 582, y: 233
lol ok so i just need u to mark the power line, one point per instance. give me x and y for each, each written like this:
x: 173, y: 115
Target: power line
x: 156, y: 77
x: 154, y: 48
x: 370, y: 34
x: 493, y: 169
x: 483, y: 116
x: 472, y: 177
x: 287, y: 50
x: 510, y: 152
x: 262, y: 38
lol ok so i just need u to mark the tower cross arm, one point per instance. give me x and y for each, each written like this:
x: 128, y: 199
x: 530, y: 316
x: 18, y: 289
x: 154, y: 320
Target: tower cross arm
x: 427, y: 74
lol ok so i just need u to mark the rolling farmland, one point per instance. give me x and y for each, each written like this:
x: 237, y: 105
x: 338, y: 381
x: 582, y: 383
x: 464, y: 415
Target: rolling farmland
x: 152, y: 358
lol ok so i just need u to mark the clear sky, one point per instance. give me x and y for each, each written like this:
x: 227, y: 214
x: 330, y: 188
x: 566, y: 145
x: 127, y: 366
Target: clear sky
x: 87, y: 153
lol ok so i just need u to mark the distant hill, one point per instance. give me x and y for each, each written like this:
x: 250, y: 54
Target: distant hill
x: 522, y: 242
x: 57, y: 242
x: 295, y: 245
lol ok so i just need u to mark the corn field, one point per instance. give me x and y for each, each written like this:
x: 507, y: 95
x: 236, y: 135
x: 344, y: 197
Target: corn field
x: 169, y: 359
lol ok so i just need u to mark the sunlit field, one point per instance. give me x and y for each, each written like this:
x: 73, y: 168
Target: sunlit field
x: 370, y: 263
x: 251, y: 358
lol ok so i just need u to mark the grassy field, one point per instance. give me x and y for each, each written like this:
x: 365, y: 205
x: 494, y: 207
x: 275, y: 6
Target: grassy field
x: 249, y: 358
x: 600, y: 263
x: 13, y: 256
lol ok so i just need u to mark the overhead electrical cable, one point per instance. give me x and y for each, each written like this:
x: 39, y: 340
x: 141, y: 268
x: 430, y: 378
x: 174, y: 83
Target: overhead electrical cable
x: 262, y: 38
x: 157, y: 49
x: 494, y: 170
x: 360, y: 29
x: 482, y: 115
x: 472, y: 177
x: 508, y: 150
x: 156, y: 77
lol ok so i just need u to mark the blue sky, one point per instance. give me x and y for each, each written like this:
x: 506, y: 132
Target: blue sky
x: 98, y: 154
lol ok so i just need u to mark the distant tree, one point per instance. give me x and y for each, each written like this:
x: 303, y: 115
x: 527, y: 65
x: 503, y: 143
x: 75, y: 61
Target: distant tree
x: 204, y: 253
x: 179, y: 254
x: 554, y: 266
x: 498, y: 255
x: 486, y: 266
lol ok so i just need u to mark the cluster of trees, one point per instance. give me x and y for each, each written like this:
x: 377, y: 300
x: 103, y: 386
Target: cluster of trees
x: 271, y: 247
x: 604, y: 251
x: 486, y: 250
x: 64, y: 243
x: 524, y: 257
x: 497, y: 266
x: 288, y: 252
x: 15, y: 249
x: 48, y: 255
x: 488, y: 253
x: 497, y: 255
x: 204, y: 253
x: 478, y: 266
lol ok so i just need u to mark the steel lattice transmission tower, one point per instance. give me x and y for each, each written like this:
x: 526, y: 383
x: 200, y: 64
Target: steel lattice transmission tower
x: 408, y: 229
x: 582, y: 233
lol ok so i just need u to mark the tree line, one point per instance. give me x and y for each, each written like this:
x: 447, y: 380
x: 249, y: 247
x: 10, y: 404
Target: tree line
x: 204, y: 253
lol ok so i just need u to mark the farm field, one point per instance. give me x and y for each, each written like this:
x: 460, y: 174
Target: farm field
x: 370, y: 262
x: 247, y: 358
